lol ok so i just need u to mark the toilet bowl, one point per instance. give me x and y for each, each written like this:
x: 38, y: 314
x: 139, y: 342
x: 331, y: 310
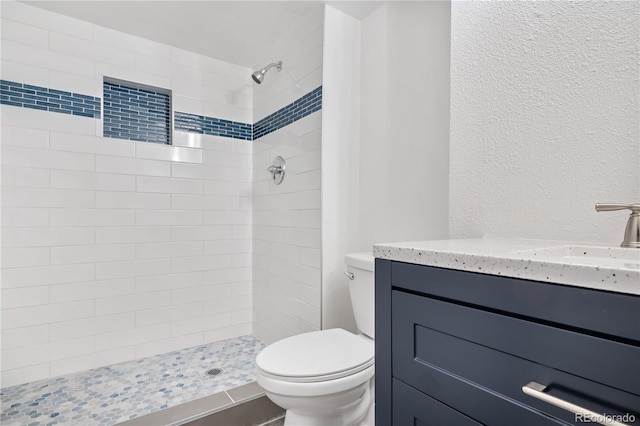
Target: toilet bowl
x: 325, y: 377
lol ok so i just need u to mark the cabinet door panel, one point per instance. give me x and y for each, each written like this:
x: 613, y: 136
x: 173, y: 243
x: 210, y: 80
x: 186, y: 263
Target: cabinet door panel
x: 582, y: 355
x: 412, y: 408
x: 458, y: 367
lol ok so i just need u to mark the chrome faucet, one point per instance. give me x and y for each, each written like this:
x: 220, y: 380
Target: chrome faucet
x: 632, y: 233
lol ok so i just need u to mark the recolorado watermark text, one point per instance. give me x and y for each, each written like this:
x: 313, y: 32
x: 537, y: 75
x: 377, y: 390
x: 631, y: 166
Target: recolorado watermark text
x: 605, y: 418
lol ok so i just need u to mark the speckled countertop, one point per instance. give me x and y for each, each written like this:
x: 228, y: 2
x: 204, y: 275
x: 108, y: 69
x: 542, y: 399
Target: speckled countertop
x: 578, y: 264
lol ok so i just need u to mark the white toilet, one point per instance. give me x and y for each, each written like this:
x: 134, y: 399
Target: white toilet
x: 325, y: 378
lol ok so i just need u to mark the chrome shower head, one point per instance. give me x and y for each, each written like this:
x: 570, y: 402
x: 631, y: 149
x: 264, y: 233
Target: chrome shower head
x: 258, y: 76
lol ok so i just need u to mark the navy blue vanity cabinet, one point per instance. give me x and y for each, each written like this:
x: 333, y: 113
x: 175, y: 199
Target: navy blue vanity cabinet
x: 456, y: 348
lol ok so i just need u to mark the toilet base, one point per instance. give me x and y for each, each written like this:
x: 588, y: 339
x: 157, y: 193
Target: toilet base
x: 349, y: 415
x: 370, y: 417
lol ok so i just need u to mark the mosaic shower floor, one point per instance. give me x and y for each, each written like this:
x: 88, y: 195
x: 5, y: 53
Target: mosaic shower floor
x: 109, y: 395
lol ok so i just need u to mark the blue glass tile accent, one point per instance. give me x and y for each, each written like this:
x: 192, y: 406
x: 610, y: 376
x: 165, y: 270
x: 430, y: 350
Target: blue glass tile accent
x: 307, y: 104
x: 300, y: 108
x: 145, y: 115
x: 136, y: 114
x: 212, y: 126
x: 45, y: 99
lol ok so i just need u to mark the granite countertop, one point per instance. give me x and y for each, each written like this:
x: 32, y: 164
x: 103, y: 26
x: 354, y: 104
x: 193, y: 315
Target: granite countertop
x: 578, y: 264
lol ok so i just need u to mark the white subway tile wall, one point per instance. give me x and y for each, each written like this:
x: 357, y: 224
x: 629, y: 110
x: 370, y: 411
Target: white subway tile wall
x: 286, y: 217
x: 301, y: 55
x: 114, y: 250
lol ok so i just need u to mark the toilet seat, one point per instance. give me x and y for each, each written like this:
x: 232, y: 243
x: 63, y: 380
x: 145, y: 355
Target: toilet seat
x: 316, y: 356
x: 321, y: 378
x: 327, y: 387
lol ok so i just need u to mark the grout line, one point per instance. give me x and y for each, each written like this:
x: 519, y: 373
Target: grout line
x: 272, y: 420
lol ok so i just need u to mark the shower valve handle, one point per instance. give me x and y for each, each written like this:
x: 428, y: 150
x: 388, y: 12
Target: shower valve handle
x: 277, y: 170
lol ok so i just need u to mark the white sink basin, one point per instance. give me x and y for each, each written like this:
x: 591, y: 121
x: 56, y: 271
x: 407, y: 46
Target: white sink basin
x: 606, y: 257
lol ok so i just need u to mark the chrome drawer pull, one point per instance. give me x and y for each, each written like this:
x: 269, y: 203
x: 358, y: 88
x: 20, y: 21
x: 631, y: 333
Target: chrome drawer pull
x: 537, y: 391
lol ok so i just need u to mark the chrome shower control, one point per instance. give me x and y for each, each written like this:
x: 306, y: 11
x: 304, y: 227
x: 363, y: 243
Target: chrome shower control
x: 632, y: 232
x: 277, y: 170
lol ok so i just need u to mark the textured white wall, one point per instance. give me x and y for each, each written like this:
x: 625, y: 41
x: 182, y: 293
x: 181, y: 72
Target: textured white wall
x: 286, y: 217
x: 112, y: 249
x: 544, y: 118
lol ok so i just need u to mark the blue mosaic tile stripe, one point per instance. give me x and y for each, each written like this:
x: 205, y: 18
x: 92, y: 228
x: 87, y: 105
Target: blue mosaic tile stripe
x: 212, y: 126
x: 300, y: 108
x: 45, y: 99
x: 145, y: 115
x: 307, y: 104
x: 136, y: 114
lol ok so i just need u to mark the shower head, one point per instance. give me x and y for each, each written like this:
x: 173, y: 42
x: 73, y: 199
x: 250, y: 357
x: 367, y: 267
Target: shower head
x: 258, y: 76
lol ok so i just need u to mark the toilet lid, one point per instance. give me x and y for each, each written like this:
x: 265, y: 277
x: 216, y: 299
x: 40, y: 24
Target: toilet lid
x: 318, y: 353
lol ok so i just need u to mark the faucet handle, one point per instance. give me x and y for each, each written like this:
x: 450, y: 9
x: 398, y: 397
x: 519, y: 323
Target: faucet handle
x: 608, y: 207
x: 632, y: 232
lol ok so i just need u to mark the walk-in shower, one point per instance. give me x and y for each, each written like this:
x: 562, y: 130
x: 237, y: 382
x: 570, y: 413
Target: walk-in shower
x: 258, y: 76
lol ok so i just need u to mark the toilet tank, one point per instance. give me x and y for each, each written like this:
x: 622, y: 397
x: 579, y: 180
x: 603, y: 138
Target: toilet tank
x: 361, y: 289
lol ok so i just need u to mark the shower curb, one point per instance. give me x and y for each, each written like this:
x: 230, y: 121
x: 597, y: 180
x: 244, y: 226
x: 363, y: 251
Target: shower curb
x: 242, y: 405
